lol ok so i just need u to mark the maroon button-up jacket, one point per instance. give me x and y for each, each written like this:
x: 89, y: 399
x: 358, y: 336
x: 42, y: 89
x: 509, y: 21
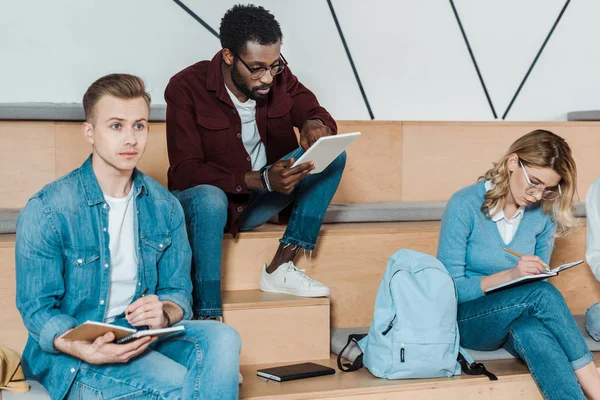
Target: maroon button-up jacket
x: 204, y: 130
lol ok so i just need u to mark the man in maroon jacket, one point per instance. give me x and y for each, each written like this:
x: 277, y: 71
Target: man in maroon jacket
x: 231, y: 142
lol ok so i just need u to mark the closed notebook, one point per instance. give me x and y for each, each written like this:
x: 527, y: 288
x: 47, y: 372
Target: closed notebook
x: 295, y: 371
x: 531, y: 278
x: 90, y: 330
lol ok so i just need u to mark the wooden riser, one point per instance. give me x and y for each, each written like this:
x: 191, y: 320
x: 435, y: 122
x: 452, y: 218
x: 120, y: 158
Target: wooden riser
x: 392, y: 161
x: 278, y: 328
x: 351, y: 260
x: 514, y: 382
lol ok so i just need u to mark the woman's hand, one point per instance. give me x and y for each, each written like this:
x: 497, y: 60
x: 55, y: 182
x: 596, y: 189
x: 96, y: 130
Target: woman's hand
x: 527, y: 265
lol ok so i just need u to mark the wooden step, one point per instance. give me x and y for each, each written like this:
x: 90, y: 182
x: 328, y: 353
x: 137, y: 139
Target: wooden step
x: 514, y: 383
x: 392, y: 161
x: 277, y: 327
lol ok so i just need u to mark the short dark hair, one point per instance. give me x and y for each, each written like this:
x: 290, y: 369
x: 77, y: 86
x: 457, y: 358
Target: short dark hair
x: 121, y: 86
x: 248, y: 23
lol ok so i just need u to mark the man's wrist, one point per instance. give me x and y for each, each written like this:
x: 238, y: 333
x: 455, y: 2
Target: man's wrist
x: 264, y: 177
x: 253, y: 181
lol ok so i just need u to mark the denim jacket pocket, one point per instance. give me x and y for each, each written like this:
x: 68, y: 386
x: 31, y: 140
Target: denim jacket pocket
x: 153, y: 248
x: 81, y: 270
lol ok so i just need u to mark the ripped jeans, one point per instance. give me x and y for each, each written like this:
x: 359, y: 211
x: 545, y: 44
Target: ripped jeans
x: 205, y: 209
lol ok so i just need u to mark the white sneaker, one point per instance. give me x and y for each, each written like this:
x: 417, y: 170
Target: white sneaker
x: 291, y: 280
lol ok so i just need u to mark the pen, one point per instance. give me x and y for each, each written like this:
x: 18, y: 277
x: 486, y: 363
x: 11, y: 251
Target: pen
x: 514, y: 253
x: 145, y: 292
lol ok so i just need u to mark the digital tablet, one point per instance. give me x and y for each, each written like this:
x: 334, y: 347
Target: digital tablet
x: 325, y: 150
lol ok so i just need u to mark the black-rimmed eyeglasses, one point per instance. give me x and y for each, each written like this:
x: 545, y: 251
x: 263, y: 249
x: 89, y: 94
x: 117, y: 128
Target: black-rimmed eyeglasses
x: 259, y: 72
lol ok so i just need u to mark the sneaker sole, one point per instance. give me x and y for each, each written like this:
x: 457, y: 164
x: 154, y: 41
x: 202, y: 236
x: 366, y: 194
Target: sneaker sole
x: 297, y: 293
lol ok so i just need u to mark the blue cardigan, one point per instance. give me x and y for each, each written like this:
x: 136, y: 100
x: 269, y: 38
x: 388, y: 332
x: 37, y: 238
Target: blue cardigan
x: 471, y: 247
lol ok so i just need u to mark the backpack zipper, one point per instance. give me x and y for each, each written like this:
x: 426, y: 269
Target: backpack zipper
x: 401, y: 352
x: 389, y: 327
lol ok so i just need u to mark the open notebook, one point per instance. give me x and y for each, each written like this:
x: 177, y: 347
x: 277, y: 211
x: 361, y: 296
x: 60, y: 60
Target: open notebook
x: 90, y: 330
x: 531, y: 278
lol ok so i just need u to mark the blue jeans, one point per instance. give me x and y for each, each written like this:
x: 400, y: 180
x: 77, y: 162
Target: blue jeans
x: 533, y: 323
x: 202, y: 363
x: 205, y: 209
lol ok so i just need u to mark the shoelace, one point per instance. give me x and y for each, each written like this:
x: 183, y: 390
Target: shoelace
x: 298, y: 272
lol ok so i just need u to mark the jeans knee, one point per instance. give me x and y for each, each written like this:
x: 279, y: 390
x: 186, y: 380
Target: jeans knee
x: 228, y: 340
x: 204, y: 201
x: 339, y: 163
x: 545, y: 294
x: 592, y: 321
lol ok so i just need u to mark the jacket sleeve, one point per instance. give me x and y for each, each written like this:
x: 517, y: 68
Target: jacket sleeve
x: 592, y: 238
x: 184, y: 144
x: 40, y: 282
x: 174, y: 282
x: 306, y: 105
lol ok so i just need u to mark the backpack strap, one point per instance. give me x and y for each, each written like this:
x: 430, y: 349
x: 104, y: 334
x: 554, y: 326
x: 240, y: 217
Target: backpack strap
x: 470, y: 367
x: 358, y: 363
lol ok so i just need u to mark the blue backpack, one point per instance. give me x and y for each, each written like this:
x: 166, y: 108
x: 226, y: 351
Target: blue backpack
x: 414, y: 333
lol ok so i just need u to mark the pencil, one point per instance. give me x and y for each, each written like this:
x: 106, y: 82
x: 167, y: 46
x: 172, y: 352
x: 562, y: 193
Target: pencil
x: 514, y: 253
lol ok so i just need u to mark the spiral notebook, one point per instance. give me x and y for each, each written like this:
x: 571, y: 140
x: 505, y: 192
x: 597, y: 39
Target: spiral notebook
x: 91, y: 330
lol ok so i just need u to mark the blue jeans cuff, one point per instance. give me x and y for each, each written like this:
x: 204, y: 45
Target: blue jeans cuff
x: 297, y: 242
x: 583, y: 361
x: 215, y: 310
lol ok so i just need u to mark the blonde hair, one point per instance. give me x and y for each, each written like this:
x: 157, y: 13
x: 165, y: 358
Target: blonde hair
x: 538, y: 149
x: 121, y: 86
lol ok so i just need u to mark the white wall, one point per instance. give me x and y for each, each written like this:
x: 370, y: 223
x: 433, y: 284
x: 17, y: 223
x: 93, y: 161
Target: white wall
x: 410, y: 54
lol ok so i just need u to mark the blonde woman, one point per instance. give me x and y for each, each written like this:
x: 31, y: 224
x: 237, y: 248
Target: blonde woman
x: 522, y: 203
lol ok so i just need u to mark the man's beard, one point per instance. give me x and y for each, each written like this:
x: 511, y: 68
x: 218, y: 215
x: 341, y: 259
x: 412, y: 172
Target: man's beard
x: 238, y: 81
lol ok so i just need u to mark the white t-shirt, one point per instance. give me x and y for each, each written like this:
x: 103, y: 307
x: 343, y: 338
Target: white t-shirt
x: 250, y: 136
x: 506, y: 226
x: 123, y: 259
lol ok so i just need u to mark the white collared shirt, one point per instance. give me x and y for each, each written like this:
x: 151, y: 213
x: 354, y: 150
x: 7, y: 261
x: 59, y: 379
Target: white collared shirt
x: 506, y: 226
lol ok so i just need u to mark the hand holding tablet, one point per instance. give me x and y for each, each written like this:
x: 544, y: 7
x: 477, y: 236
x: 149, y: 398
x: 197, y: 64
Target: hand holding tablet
x: 325, y: 150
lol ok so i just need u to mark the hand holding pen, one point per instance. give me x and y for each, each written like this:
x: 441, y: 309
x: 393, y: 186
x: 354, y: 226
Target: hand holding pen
x: 527, y: 265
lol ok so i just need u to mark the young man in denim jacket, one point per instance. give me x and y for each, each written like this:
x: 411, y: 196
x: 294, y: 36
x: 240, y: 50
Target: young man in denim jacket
x: 107, y: 243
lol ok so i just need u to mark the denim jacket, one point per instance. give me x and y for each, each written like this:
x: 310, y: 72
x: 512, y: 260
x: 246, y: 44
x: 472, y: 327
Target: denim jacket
x: 63, y: 264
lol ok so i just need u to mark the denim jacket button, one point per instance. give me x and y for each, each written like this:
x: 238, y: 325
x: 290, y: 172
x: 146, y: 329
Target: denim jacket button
x: 104, y: 229
x: 160, y: 245
x: 104, y: 206
x: 80, y: 261
x: 101, y: 302
x: 72, y: 370
x: 105, y: 265
x: 139, y: 283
